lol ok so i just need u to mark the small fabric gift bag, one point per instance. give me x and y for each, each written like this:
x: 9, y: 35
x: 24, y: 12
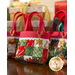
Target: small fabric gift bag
x: 13, y: 36
x: 58, y: 38
x: 33, y: 45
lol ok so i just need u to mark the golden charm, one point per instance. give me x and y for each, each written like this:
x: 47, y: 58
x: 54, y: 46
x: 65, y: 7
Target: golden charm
x: 61, y: 43
x: 12, y: 38
x: 39, y: 42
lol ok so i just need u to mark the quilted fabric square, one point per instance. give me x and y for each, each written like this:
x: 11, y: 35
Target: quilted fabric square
x: 38, y: 52
x: 20, y: 57
x: 29, y: 51
x: 60, y: 52
x: 28, y: 58
x: 30, y: 43
x: 22, y: 42
x: 37, y: 60
x: 17, y: 40
x: 11, y: 48
x: 20, y: 50
x: 45, y: 55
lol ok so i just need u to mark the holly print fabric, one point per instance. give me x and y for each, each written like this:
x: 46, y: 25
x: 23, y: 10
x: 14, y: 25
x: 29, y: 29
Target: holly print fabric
x: 12, y: 47
x: 29, y: 51
x: 61, y: 52
x: 32, y: 51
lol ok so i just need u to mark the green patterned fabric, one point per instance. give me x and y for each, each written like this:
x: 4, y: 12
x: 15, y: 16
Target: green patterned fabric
x: 60, y: 52
x: 38, y: 52
x: 28, y: 51
x: 22, y: 42
x: 17, y: 40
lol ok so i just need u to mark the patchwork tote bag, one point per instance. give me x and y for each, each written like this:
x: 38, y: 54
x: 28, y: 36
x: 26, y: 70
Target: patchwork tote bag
x: 58, y: 45
x: 33, y: 46
x: 55, y: 34
x: 13, y: 36
x: 61, y: 50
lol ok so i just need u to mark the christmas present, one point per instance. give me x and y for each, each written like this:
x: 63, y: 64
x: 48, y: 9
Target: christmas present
x: 9, y: 26
x: 58, y: 38
x: 61, y: 5
x: 35, y: 25
x: 13, y: 36
x: 33, y: 45
x: 28, y: 8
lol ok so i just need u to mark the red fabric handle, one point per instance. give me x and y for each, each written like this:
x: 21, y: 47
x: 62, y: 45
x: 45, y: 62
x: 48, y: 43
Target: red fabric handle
x: 57, y: 16
x: 14, y: 21
x: 41, y: 24
x: 30, y: 26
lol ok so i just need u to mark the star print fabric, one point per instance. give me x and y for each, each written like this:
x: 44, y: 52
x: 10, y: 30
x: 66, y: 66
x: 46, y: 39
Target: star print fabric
x: 31, y: 51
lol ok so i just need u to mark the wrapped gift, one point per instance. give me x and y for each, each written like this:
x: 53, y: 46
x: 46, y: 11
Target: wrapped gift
x: 28, y: 9
x: 13, y: 10
x: 9, y: 26
x: 61, y: 5
x: 35, y: 25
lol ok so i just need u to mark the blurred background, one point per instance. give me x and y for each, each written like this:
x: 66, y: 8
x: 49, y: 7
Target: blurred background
x: 48, y: 3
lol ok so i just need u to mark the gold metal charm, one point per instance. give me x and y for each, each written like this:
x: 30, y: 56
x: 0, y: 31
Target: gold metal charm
x: 12, y: 38
x: 61, y: 43
x: 39, y: 41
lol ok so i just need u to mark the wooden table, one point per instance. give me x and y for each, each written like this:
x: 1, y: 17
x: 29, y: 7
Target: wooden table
x: 17, y: 68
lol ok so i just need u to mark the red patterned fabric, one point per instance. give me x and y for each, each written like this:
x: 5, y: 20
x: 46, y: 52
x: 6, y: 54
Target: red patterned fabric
x: 21, y: 50
x: 30, y: 43
x: 44, y: 57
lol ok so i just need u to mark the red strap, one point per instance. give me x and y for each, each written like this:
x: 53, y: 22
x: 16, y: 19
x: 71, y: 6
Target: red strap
x: 30, y: 24
x: 41, y: 24
x: 56, y: 15
x: 14, y: 23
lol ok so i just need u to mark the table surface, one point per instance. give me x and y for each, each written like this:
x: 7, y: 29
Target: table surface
x: 18, y: 68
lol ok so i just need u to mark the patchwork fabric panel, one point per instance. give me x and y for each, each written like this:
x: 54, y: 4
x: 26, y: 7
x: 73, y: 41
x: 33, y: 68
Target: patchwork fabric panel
x: 45, y: 55
x: 61, y: 52
x: 28, y: 58
x: 38, y: 52
x: 53, y: 47
x: 46, y: 44
x: 29, y: 51
x: 33, y: 50
x: 42, y: 43
x: 20, y: 50
x: 12, y: 46
x: 37, y: 60
x: 20, y: 57
x: 22, y: 42
x: 30, y: 43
